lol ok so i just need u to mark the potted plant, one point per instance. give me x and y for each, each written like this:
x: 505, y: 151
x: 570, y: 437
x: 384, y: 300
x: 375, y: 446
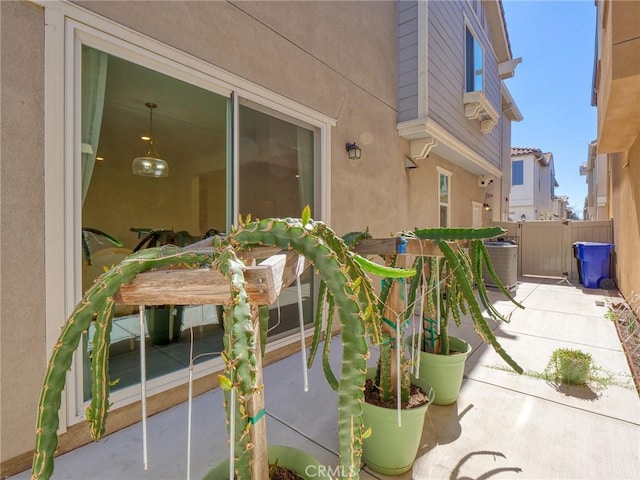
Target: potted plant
x: 569, y: 366
x: 346, y: 289
x: 395, y: 405
x: 447, y: 280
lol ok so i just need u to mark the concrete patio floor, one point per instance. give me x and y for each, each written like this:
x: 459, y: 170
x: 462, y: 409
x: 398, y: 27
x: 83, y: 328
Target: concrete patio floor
x: 502, y: 426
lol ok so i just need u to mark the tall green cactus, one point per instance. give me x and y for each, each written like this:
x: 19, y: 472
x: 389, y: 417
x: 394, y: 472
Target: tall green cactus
x: 344, y: 285
x: 240, y: 359
x: 450, y: 284
x: 97, y: 300
x: 458, y: 273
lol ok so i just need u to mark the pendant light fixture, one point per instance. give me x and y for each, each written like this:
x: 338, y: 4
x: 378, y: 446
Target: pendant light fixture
x: 151, y: 165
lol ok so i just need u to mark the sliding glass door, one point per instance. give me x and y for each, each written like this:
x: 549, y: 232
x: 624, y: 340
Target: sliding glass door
x: 179, y: 191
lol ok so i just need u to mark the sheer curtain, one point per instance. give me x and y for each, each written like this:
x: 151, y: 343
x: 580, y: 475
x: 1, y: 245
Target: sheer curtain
x: 94, y: 79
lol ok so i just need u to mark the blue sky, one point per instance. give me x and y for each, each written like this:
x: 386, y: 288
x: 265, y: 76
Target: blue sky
x: 552, y: 85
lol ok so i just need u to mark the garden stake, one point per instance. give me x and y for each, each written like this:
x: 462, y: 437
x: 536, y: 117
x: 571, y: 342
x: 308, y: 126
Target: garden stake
x: 143, y: 385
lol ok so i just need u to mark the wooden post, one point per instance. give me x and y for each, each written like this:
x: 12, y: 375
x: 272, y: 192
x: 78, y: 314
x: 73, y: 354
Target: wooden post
x: 255, y: 411
x: 392, y: 308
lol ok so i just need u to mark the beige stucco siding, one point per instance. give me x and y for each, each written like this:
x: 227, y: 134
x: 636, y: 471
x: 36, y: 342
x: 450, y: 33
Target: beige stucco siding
x: 625, y: 202
x: 22, y: 320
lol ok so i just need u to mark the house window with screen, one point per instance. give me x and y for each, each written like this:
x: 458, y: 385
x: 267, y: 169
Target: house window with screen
x: 517, y: 172
x: 444, y: 197
x: 473, y: 63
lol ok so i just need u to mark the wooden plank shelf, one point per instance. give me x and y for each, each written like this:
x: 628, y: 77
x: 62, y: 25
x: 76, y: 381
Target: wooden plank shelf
x: 201, y: 286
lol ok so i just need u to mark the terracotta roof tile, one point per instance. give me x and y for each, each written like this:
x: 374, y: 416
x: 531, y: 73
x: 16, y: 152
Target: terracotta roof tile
x: 524, y: 151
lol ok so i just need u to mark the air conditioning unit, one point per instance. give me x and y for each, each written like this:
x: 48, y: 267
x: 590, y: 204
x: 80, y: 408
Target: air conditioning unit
x: 504, y: 258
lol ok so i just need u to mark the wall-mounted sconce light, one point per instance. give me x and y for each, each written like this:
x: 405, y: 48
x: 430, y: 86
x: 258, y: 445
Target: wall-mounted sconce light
x: 523, y: 217
x: 354, y: 151
x: 487, y: 207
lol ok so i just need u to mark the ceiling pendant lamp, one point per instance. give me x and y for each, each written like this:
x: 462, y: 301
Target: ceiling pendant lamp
x: 151, y: 165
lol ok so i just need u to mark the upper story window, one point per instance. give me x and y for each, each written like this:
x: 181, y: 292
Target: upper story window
x: 517, y: 172
x: 473, y: 63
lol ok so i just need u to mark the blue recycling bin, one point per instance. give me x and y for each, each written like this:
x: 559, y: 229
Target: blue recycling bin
x: 595, y: 259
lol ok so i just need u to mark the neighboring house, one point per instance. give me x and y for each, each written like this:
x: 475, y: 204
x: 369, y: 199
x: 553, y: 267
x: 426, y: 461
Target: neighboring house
x: 453, y: 104
x: 533, y: 184
x: 596, y: 169
x: 617, y: 96
x: 561, y: 208
x: 251, y: 105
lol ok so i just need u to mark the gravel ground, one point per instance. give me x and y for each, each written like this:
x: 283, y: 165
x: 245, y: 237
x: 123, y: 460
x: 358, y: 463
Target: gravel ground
x: 628, y: 327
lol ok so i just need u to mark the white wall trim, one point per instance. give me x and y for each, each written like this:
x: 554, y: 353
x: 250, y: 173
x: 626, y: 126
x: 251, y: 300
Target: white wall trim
x: 54, y: 173
x: 442, y: 135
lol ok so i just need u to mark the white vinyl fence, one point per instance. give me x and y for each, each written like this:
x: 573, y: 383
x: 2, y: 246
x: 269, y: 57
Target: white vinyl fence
x: 545, y: 248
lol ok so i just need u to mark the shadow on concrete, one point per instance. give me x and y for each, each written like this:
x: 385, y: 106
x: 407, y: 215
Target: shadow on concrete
x: 583, y: 392
x: 442, y: 426
x: 455, y: 473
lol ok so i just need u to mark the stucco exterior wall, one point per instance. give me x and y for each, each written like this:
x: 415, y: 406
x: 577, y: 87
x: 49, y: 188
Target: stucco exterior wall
x: 22, y: 302
x: 313, y: 53
x: 625, y: 202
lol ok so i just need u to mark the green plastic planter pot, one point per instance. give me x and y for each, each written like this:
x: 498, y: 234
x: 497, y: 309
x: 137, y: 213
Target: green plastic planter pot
x: 295, y: 460
x: 390, y: 449
x: 445, y: 372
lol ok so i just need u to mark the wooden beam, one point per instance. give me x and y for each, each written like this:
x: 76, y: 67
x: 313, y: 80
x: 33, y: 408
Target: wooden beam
x: 389, y: 246
x: 206, y: 286
x: 414, y: 246
x: 201, y: 286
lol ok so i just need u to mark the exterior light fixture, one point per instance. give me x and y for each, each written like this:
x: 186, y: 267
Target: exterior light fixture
x: 151, y: 165
x: 354, y: 151
x: 487, y: 207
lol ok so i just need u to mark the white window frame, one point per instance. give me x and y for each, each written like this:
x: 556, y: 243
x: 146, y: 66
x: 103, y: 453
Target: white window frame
x: 442, y: 171
x: 514, y: 162
x: 67, y: 28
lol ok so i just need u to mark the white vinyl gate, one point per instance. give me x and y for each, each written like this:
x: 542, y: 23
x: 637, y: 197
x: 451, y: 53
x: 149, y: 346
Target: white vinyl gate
x: 545, y: 248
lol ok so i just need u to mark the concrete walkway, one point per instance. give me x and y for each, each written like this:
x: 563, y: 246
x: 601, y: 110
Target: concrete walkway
x: 502, y: 426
